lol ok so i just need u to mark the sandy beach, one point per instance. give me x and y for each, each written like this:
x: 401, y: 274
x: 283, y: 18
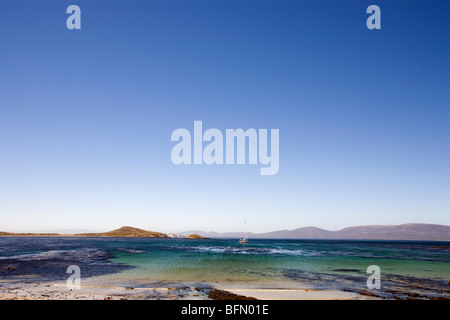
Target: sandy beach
x: 13, y: 290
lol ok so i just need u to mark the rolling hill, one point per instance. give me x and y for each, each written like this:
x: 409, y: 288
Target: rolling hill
x: 126, y: 231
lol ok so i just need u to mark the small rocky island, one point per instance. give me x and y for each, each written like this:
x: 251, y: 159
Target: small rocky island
x: 195, y: 236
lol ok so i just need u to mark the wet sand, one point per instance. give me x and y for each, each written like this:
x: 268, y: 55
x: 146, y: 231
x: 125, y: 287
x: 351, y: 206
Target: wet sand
x: 299, y: 294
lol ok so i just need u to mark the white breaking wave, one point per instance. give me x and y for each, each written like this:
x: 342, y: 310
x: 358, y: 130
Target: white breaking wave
x: 254, y: 251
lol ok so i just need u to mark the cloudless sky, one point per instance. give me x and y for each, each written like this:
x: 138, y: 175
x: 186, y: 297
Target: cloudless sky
x: 86, y: 115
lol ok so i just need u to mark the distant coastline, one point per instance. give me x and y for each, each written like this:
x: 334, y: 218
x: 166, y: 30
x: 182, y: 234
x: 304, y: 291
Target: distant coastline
x: 125, y: 232
x: 410, y: 231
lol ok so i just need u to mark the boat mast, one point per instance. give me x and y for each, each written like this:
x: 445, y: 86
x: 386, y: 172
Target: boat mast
x: 244, y: 240
x: 245, y: 229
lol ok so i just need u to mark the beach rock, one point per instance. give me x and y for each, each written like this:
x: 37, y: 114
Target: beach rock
x: 216, y: 294
x: 368, y: 294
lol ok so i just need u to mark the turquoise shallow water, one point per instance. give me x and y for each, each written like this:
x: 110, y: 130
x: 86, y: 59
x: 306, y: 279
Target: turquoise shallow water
x: 420, y: 266
x: 265, y: 260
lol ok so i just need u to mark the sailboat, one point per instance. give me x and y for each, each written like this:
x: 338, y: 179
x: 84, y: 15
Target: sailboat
x: 244, y: 240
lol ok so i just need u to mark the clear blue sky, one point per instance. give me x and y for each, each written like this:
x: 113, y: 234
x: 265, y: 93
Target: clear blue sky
x: 86, y: 115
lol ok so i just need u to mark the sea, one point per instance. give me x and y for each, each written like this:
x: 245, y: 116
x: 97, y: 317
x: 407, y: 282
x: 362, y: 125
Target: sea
x: 407, y: 269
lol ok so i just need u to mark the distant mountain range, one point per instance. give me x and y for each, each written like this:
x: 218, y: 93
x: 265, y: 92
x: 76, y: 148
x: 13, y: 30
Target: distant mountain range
x: 410, y: 231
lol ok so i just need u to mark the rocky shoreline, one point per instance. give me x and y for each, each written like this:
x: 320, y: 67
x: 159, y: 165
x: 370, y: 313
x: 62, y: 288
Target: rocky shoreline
x: 12, y: 290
